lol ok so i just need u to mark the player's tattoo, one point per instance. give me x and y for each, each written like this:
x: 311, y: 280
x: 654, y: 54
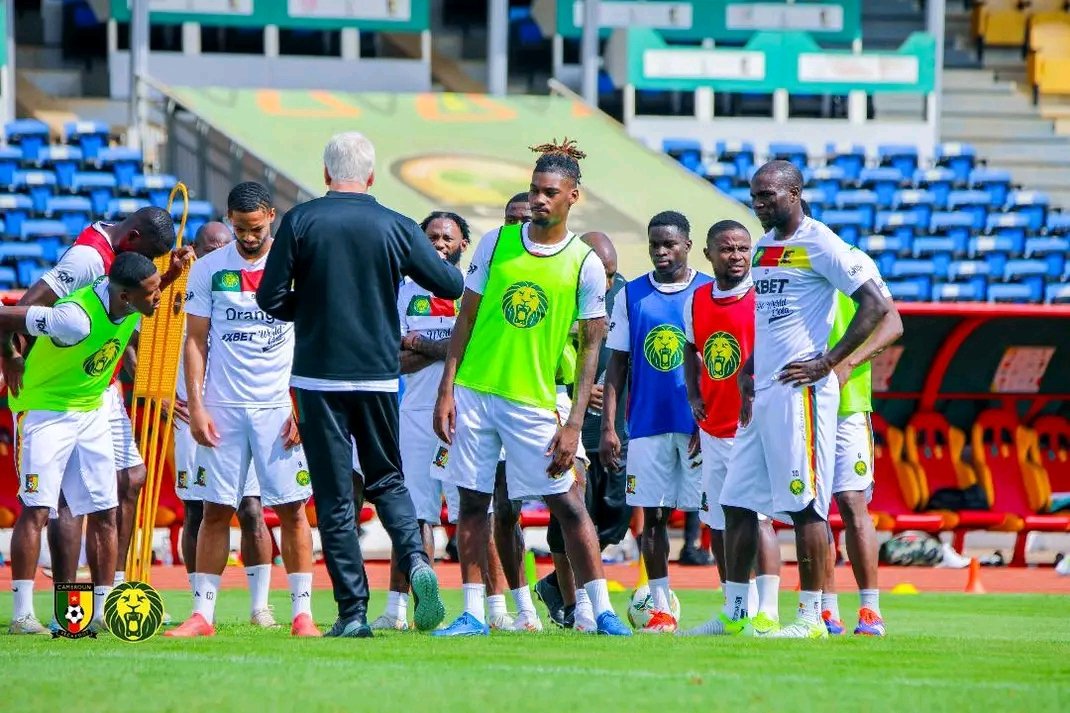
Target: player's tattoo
x: 435, y: 349
x: 591, y: 334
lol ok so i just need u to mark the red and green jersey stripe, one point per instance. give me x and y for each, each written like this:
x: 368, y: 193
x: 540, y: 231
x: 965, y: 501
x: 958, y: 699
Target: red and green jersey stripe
x: 236, y: 280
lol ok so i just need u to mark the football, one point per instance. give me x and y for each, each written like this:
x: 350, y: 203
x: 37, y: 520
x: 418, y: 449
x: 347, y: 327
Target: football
x: 640, y: 608
x: 74, y: 614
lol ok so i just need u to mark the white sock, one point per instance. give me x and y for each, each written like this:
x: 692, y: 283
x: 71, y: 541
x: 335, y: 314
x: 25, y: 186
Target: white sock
x: 871, y: 599
x: 830, y: 602
x: 810, y: 606
x: 474, y: 601
x: 300, y: 593
x: 205, y: 594
x: 100, y: 593
x: 735, y: 600
x: 768, y: 595
x: 584, y: 610
x: 120, y: 577
x: 496, y: 605
x: 659, y: 593
x: 752, y: 597
x: 522, y: 598
x: 83, y: 558
x: 598, y: 591
x: 397, y: 604
x: 23, y: 590
x: 259, y: 580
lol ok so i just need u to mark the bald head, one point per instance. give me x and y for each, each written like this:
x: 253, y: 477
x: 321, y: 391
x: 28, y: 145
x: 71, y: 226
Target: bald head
x: 775, y: 192
x: 603, y: 248
x: 211, y: 236
x: 783, y: 173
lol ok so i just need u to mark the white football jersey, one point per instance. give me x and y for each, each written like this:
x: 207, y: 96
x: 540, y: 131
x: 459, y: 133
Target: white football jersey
x: 433, y: 318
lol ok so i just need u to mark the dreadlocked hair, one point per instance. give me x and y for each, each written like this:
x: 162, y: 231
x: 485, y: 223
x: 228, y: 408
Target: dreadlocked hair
x: 562, y: 158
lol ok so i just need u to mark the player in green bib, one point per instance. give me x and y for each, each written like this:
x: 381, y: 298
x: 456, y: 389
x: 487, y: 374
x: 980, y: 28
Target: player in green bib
x: 63, y: 438
x: 526, y: 286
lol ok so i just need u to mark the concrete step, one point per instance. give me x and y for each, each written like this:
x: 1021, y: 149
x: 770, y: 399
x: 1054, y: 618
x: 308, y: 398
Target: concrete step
x: 55, y: 82
x: 1054, y: 152
x: 970, y: 104
x: 997, y: 128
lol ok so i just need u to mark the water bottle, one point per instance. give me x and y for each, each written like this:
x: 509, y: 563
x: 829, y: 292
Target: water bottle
x: 591, y: 411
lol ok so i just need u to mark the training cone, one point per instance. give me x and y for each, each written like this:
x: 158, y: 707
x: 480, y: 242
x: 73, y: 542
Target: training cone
x: 973, y: 582
x: 904, y: 588
x: 643, y: 578
x: 614, y: 587
x: 530, y: 570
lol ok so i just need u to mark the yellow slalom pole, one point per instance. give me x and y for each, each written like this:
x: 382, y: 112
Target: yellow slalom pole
x: 159, y: 349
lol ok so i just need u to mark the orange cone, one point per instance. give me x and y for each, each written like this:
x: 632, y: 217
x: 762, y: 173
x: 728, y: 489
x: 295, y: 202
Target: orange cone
x: 973, y: 582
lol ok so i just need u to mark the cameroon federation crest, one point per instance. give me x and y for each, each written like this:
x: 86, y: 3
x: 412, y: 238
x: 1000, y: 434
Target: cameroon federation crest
x: 183, y: 479
x: 664, y: 347
x: 721, y: 355
x: 303, y: 478
x: 133, y: 612
x: 73, y: 607
x: 33, y: 481
x: 524, y: 304
x: 102, y: 359
x: 442, y: 457
x: 202, y: 477
x: 861, y: 468
x: 796, y: 486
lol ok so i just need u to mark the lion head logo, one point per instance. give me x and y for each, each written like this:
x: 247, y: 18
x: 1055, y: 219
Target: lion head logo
x: 721, y: 355
x: 133, y: 612
x: 664, y: 347
x: 102, y: 359
x: 524, y: 304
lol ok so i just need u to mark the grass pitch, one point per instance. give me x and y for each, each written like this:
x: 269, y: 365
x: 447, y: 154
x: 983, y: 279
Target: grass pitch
x: 945, y: 652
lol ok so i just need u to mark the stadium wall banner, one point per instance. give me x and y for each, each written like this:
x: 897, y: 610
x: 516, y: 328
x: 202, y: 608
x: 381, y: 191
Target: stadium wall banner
x: 718, y: 20
x: 379, y: 15
x: 769, y: 61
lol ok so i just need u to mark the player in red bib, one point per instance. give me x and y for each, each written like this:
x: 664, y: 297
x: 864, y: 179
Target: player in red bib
x: 719, y: 325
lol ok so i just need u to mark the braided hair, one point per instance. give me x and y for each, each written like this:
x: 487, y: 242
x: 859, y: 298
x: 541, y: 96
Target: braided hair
x: 562, y: 158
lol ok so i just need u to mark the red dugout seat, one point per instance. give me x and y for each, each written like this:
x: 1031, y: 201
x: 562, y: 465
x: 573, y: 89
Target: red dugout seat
x: 10, y: 507
x: 1052, y: 453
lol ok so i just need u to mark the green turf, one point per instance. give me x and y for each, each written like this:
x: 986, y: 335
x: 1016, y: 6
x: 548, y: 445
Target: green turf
x: 945, y: 652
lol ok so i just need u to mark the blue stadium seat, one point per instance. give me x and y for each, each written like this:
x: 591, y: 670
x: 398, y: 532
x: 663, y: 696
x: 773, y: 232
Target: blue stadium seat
x: 1000, y: 292
x: 89, y: 136
x: 909, y: 290
x: 972, y: 203
x: 29, y: 134
x: 901, y: 157
x: 850, y: 158
x: 818, y: 201
x: 200, y: 212
x: 954, y: 225
x: 865, y: 201
x: 994, y: 181
x: 829, y: 179
x: 39, y: 185
x: 10, y: 158
x: 122, y: 161
x: 787, y: 151
x: 75, y: 211
x: 958, y: 292
x: 848, y: 224
x: 907, y: 267
x: 119, y: 208
x: 919, y: 202
x: 985, y: 246
x: 15, y: 208
x: 97, y: 186
x: 20, y: 251
x: 1056, y: 293
x: 877, y: 246
x: 1009, y: 225
x: 1054, y: 251
x: 974, y: 272
x: 932, y: 246
x: 721, y: 175
x: 883, y: 181
x: 903, y: 224
x: 741, y: 153
x: 1019, y: 269
x: 938, y: 181
x: 1058, y: 224
x: 741, y: 194
x: 64, y: 160
x: 156, y: 188
x: 1032, y: 204
x: 36, y: 229
x: 957, y: 157
x: 688, y: 152
x: 8, y: 278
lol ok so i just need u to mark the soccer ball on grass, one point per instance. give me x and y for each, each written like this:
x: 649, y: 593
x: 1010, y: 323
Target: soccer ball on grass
x: 641, y: 607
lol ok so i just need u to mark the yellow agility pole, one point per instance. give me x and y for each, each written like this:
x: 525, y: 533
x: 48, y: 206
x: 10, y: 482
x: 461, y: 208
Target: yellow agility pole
x: 158, y: 352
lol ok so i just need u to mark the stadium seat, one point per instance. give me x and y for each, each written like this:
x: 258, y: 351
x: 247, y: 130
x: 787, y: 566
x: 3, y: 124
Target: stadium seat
x: 791, y: 152
x: 1058, y: 224
x: 958, y: 292
x: 741, y: 194
x: 928, y: 246
x: 97, y: 186
x: 1013, y: 484
x: 880, y: 247
x: 16, y: 208
x: 938, y: 181
x: 993, y: 181
x: 972, y: 203
x: 1032, y: 204
x: 901, y: 157
x: 89, y: 136
x: 998, y: 23
x: 974, y: 272
x: 901, y: 224
x: 1051, y: 434
x: 817, y: 200
x: 884, y: 182
x: 119, y: 208
x: 9, y: 279
x: 122, y: 161
x: 864, y: 201
x: 721, y: 175
x: 957, y: 226
x: 741, y: 153
x: 919, y: 202
x: 957, y: 157
x: 20, y: 251
x: 39, y: 185
x: 829, y: 179
x: 1016, y: 270
x: 848, y: 224
x: 850, y: 158
x: 10, y: 158
x: 35, y: 229
x: 1053, y: 250
x: 29, y: 134
x: 154, y: 187
x: 1057, y: 293
x: 1000, y: 292
x: 1009, y: 225
x: 200, y: 212
x: 688, y: 152
x: 75, y: 211
x: 64, y: 160
x: 995, y: 251
x: 909, y: 290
